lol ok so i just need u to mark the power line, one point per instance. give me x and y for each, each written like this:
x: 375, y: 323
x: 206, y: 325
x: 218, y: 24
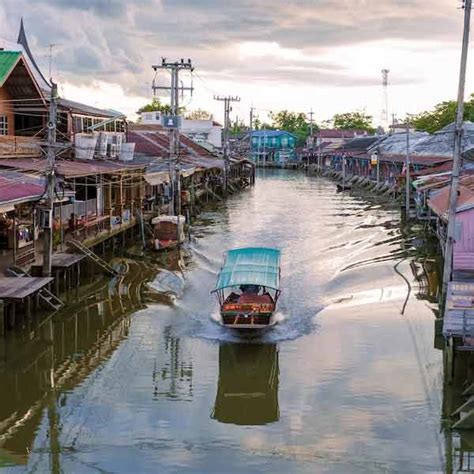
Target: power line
x: 227, y: 108
x: 174, y: 68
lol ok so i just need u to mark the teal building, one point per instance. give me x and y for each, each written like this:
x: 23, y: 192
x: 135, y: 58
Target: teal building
x: 272, y: 146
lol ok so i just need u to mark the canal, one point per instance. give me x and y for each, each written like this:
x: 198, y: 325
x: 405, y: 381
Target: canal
x: 137, y: 377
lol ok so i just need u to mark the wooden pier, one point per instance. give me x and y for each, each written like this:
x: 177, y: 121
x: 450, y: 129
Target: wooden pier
x: 65, y: 267
x: 14, y: 290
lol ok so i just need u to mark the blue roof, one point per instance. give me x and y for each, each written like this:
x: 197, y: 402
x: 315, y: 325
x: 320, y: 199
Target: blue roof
x: 250, y: 266
x: 271, y: 133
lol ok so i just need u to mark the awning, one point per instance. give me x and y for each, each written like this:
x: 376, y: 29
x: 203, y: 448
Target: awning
x: 250, y: 266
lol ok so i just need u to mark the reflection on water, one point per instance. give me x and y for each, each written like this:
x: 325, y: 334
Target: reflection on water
x: 41, y: 363
x: 247, y: 390
x: 136, y: 376
x: 172, y: 373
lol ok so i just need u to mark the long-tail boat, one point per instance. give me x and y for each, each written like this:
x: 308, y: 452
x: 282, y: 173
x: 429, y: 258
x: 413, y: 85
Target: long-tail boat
x: 248, y: 287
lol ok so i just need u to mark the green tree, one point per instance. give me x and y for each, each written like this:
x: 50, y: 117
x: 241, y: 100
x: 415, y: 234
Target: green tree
x: 259, y: 125
x: 293, y: 122
x: 157, y: 106
x: 237, y: 127
x: 443, y: 114
x: 199, y: 114
x: 353, y: 120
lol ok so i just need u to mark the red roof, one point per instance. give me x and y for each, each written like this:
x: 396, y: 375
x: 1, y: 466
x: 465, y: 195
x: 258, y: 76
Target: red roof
x: 69, y: 168
x: 12, y: 190
x: 448, y: 166
x: 440, y: 201
x: 154, y: 140
x: 426, y: 160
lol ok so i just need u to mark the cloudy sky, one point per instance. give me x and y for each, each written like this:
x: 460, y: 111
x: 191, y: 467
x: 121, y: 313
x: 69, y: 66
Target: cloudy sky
x: 321, y: 54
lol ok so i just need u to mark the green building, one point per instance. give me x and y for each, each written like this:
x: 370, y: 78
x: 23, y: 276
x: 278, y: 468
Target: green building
x: 272, y: 146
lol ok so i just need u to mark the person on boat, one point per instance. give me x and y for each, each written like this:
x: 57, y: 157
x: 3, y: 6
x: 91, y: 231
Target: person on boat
x: 250, y: 289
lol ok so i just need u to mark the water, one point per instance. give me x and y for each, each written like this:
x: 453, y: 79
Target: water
x: 145, y: 380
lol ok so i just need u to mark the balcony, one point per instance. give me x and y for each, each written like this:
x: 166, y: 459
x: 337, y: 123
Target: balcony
x: 13, y: 146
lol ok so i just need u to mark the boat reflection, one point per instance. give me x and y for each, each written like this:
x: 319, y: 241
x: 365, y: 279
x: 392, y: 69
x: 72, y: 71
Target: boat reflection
x: 247, y: 392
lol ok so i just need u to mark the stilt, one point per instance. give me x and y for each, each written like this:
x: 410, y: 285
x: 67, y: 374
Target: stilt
x: 28, y: 307
x: 2, y: 318
x: 12, y: 314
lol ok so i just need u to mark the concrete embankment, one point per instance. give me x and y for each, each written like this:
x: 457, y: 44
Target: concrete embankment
x: 355, y: 181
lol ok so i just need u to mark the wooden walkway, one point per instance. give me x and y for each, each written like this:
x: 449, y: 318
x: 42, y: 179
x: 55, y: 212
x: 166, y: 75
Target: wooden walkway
x: 17, y: 289
x: 62, y: 260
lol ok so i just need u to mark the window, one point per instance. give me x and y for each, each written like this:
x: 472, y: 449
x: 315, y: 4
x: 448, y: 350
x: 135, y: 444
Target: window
x: 3, y: 125
x: 284, y: 141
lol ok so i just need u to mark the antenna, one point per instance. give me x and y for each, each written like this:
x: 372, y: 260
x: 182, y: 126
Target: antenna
x: 384, y: 114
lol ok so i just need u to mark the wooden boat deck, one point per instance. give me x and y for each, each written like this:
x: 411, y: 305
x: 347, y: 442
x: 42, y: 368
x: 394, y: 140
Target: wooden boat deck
x: 17, y: 289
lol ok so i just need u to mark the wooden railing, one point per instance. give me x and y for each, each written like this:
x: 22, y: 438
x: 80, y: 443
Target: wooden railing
x: 11, y: 145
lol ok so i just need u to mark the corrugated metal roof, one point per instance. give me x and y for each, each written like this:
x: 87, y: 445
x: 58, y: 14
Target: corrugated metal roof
x: 440, y: 200
x: 70, y: 168
x: 397, y: 143
x: 19, y: 188
x: 78, y: 108
x: 8, y: 60
x: 271, y: 133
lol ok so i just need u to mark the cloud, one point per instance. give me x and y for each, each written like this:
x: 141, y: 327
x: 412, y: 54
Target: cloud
x: 118, y: 41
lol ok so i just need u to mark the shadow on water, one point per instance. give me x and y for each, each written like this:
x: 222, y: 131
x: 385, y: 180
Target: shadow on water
x: 247, y: 387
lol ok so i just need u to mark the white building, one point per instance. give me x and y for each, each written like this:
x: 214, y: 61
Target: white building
x: 201, y: 131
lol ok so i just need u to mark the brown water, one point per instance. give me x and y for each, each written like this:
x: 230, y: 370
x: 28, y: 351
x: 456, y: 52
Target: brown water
x: 139, y: 378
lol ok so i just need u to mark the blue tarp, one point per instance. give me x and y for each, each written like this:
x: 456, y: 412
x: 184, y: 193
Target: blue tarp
x: 250, y: 266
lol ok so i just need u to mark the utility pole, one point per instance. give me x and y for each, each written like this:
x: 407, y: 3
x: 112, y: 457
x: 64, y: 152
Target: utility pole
x: 227, y: 109
x: 311, y: 113
x: 458, y: 132
x: 407, y: 173
x: 51, y: 47
x: 174, y: 159
x: 50, y: 173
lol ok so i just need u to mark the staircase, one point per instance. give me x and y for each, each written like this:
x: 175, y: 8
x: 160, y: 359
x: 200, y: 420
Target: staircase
x: 94, y: 257
x: 44, y: 294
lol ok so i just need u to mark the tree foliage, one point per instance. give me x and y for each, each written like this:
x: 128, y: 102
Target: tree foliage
x: 199, y: 114
x: 443, y: 114
x: 353, y: 120
x: 237, y: 127
x: 157, y: 106
x: 293, y: 122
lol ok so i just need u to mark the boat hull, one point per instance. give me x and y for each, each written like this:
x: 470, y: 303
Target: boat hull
x: 247, y: 321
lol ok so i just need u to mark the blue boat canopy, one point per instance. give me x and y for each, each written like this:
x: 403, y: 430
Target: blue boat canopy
x: 250, y: 266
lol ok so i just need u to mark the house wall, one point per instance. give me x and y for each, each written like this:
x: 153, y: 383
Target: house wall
x: 6, y: 108
x: 463, y: 252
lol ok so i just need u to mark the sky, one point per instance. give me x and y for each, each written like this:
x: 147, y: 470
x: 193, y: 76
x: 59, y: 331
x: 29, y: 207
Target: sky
x: 324, y: 55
